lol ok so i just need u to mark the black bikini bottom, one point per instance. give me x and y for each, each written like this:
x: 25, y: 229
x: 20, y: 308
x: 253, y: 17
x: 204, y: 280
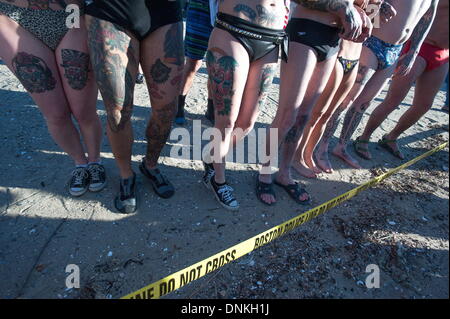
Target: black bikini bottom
x: 348, y: 65
x: 140, y: 17
x: 322, y: 38
x: 257, y: 40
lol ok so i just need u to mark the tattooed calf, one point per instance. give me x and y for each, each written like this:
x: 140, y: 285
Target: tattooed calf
x: 33, y: 73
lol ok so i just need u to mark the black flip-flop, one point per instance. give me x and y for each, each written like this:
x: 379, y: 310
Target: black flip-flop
x: 161, y: 185
x: 264, y: 189
x: 360, y: 150
x: 295, y: 191
x: 384, y: 143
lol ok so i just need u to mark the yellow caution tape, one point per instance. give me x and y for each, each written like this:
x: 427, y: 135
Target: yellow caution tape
x: 204, y: 267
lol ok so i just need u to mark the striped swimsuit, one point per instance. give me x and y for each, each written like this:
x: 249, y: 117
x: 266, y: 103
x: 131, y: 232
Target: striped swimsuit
x: 198, y: 29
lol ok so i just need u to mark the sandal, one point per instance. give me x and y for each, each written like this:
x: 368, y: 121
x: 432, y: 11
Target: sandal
x: 264, y: 189
x: 384, y: 143
x: 295, y: 191
x: 161, y: 185
x: 359, y: 150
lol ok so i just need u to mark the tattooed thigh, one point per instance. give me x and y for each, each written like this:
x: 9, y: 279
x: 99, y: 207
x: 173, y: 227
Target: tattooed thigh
x: 76, y: 68
x: 364, y: 75
x: 33, y: 73
x: 221, y: 76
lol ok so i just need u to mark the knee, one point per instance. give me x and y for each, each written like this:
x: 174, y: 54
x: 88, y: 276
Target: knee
x: 245, y: 125
x: 118, y: 119
x: 58, y: 118
x: 85, y: 117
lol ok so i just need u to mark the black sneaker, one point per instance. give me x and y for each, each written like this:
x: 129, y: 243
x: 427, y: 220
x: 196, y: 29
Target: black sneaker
x: 140, y: 78
x: 180, y: 118
x: 224, y: 195
x: 97, y: 177
x: 209, y: 173
x: 160, y: 183
x: 79, y: 183
x: 126, y: 201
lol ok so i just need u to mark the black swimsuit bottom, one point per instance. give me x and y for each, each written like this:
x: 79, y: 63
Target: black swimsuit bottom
x: 348, y: 65
x: 141, y: 17
x: 322, y: 38
x: 257, y: 40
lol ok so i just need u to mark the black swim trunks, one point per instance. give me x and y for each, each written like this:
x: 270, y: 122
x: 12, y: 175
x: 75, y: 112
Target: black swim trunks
x: 257, y: 40
x: 140, y: 17
x: 322, y: 38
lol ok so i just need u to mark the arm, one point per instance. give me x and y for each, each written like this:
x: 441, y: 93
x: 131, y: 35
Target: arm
x: 417, y: 38
x: 343, y: 9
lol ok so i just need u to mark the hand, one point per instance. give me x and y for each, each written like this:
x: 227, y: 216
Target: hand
x: 405, y: 64
x: 367, y: 26
x: 352, y: 23
x: 387, y: 12
x: 363, y: 4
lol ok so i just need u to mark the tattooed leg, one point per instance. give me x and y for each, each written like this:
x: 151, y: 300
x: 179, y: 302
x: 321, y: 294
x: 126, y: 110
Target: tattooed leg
x: 34, y: 65
x: 72, y: 56
x: 33, y: 73
x: 259, y: 80
x: 114, y: 56
x: 163, y: 69
x: 228, y: 68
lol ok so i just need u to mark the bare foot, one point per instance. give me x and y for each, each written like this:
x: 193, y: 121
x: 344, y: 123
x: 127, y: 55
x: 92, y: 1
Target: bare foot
x: 323, y: 162
x: 311, y: 164
x: 269, y: 199
x: 303, y: 170
x: 347, y: 158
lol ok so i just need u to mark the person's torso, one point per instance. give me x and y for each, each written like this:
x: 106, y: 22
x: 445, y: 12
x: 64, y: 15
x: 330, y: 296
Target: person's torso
x: 438, y: 35
x: 315, y: 15
x: 266, y: 13
x: 400, y: 28
x: 350, y: 50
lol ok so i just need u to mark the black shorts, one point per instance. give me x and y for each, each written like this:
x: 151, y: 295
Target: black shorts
x: 140, y: 17
x: 323, y: 39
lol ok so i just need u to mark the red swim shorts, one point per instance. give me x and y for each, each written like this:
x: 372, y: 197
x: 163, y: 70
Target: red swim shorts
x: 433, y: 55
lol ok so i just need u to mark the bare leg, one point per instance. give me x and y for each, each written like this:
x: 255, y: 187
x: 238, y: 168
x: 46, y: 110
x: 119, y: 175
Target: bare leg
x: 78, y: 80
x: 228, y: 68
x: 427, y: 86
x: 302, y: 61
x: 359, y: 100
x: 290, y: 148
x: 310, y: 137
x: 328, y: 122
x: 259, y: 79
x: 190, y: 70
x: 25, y: 56
x: 115, y: 59
x: 397, y: 92
x: 163, y: 69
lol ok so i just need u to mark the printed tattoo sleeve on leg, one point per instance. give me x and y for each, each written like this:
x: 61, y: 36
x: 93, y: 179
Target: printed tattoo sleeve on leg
x: 158, y: 131
x: 76, y: 68
x: 221, y: 77
x: 33, y: 73
x: 266, y: 81
x: 173, y: 45
x: 296, y: 131
x: 114, y: 80
x: 351, y: 122
x: 332, y: 125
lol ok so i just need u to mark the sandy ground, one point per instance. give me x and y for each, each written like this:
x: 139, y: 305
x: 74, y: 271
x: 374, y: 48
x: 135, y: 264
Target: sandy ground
x: 401, y: 225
